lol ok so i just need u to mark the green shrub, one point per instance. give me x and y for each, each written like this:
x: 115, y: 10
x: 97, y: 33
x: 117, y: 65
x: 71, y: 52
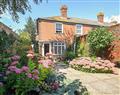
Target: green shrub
x: 82, y: 49
x: 69, y: 55
x: 99, y: 39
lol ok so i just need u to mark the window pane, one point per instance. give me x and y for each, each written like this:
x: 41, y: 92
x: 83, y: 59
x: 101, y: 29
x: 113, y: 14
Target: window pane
x: 55, y: 43
x: 78, y: 26
x: 78, y: 31
x: 59, y: 50
x: 58, y: 27
x: 63, y: 49
x: 59, y: 43
x: 55, y: 49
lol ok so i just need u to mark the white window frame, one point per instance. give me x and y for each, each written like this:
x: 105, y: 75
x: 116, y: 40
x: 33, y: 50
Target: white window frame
x: 79, y: 29
x: 57, y: 47
x: 56, y: 25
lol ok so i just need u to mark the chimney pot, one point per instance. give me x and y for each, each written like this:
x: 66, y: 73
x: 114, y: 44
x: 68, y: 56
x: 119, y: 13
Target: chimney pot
x: 64, y: 11
x: 100, y: 17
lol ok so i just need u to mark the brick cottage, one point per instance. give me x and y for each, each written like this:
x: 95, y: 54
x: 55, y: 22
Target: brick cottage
x: 49, y: 28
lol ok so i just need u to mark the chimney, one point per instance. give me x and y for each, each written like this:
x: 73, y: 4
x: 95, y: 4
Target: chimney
x: 100, y: 17
x: 64, y: 11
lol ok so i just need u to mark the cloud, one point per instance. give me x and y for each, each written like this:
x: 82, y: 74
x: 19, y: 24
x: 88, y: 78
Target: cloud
x: 113, y: 18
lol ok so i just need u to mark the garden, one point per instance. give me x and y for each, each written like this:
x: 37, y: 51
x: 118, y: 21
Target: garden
x: 93, y: 55
x: 24, y: 72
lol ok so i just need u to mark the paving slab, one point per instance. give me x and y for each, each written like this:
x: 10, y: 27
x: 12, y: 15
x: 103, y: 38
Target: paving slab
x: 96, y: 83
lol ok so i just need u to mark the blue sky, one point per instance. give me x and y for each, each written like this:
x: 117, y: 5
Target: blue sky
x: 76, y: 8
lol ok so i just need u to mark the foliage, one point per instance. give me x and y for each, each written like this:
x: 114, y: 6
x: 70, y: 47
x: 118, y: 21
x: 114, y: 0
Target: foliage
x: 5, y: 41
x: 90, y: 70
x: 30, y: 27
x: 69, y: 55
x: 14, y: 7
x: 99, y: 39
x: 24, y: 43
x: 82, y: 49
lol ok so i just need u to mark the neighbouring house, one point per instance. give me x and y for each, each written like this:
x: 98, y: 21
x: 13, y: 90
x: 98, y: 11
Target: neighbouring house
x: 7, y: 29
x: 51, y: 28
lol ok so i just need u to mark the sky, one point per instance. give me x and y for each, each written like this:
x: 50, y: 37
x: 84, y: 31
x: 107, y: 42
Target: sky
x: 76, y: 8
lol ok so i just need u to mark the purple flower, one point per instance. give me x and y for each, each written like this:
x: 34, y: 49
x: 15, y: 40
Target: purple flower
x: 12, y: 68
x: 35, y: 77
x: 55, y: 85
x: 35, y: 72
x: 24, y: 68
x: 14, y: 63
x: 15, y: 58
x: 18, y: 71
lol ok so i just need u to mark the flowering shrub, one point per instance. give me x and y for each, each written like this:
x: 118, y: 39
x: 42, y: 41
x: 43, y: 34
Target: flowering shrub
x: 98, y: 66
x: 21, y: 79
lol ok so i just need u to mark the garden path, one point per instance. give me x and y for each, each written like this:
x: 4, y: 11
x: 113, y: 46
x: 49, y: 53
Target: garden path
x: 96, y: 84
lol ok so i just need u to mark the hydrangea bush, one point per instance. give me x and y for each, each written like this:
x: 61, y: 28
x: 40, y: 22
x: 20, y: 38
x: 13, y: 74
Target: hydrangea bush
x: 21, y: 79
x: 86, y: 64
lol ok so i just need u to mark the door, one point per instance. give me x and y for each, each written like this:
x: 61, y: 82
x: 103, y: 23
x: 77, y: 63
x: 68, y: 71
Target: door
x: 46, y: 48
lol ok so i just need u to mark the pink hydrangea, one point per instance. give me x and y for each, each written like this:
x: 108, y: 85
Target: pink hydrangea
x: 46, y: 63
x: 25, y: 68
x: 29, y: 75
x: 14, y: 63
x: 49, y: 54
x: 30, y: 55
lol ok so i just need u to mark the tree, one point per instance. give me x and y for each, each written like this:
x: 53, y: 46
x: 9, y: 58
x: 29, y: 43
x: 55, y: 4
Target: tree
x: 6, y: 41
x: 30, y: 28
x: 99, y: 39
x: 24, y: 43
x: 14, y: 7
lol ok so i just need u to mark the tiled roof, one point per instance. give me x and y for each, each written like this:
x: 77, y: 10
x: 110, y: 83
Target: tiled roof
x: 7, y: 29
x: 75, y: 20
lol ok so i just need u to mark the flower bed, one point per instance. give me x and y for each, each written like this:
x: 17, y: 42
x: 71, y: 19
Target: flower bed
x: 86, y: 64
x: 36, y: 77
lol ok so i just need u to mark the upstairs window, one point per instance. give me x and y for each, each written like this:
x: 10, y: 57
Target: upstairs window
x: 59, y: 28
x: 78, y: 29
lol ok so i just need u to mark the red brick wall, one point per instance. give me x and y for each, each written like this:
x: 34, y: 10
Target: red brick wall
x: 46, y: 29
x: 114, y: 50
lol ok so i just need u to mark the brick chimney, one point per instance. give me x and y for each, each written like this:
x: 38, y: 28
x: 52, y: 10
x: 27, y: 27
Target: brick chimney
x: 64, y: 11
x: 100, y: 17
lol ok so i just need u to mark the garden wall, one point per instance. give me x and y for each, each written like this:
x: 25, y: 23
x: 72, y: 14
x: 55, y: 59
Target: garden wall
x: 114, y: 50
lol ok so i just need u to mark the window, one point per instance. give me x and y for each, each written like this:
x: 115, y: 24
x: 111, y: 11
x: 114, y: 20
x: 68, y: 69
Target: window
x: 59, y: 27
x: 58, y: 48
x: 78, y: 29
